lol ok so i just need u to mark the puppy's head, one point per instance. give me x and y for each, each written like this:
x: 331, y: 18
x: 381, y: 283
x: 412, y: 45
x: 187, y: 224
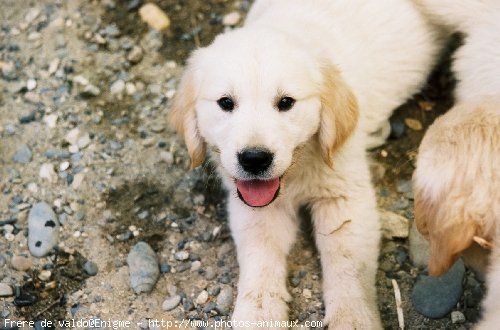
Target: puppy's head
x: 254, y: 97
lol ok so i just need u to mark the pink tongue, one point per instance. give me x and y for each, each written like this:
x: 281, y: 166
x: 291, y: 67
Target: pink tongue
x: 258, y: 192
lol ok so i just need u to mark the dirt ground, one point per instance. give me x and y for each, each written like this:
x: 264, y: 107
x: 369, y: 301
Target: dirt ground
x: 133, y: 184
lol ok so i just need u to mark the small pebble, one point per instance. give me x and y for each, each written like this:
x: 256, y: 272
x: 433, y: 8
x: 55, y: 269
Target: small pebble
x: 225, y: 300
x: 225, y: 279
x: 165, y: 268
x: 210, y: 273
x: 83, y: 141
x: 90, y: 268
x: 45, y: 275
x: 32, y: 14
x: 231, y: 19
x: 195, y: 266
x: 6, y: 290
x: 154, y: 16
x: 213, y: 290
x: 307, y: 293
x: 54, y: 64
x: 23, y: 155
x: 398, y: 129
x: 117, y: 87
x: 77, y: 180
x: 209, y: 307
x: 51, y: 120
x: 90, y: 91
x: 457, y: 317
x: 187, y: 305
x: 64, y: 166
x: 171, y: 302
x: 135, y: 55
x: 21, y: 263
x: 294, y: 281
x: 143, y: 268
x: 181, y: 255
x: 414, y: 124
x: 167, y: 158
x: 183, y: 267
x: 202, y: 297
x: 31, y: 84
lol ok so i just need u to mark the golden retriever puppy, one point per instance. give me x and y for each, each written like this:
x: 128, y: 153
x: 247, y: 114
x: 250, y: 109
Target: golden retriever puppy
x: 457, y: 179
x: 285, y: 107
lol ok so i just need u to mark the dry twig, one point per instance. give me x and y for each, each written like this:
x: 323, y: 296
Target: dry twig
x: 399, y: 307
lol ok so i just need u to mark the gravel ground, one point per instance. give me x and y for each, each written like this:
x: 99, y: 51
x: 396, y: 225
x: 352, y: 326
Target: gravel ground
x: 84, y: 91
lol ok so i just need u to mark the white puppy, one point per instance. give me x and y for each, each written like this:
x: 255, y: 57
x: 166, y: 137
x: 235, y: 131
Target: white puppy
x: 277, y: 104
x: 457, y: 179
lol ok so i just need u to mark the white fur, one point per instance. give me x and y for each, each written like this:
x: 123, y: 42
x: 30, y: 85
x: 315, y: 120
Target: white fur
x: 383, y: 51
x: 371, y: 42
x: 476, y: 63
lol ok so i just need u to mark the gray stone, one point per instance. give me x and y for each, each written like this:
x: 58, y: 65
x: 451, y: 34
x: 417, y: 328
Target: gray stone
x: 6, y: 290
x: 225, y: 300
x: 457, y: 317
x: 143, y: 267
x: 23, y: 155
x: 434, y: 297
x: 210, y: 273
x: 135, y: 55
x: 418, y: 248
x: 171, y: 302
x: 90, y: 268
x: 117, y: 87
x: 43, y: 229
x: 181, y: 255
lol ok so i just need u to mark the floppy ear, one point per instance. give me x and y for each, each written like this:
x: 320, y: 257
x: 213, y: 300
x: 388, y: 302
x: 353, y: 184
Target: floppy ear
x: 448, y: 228
x: 339, y: 113
x: 182, y: 117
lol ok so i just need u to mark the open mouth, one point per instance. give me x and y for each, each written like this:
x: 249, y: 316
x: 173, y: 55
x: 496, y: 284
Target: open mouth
x: 258, y: 193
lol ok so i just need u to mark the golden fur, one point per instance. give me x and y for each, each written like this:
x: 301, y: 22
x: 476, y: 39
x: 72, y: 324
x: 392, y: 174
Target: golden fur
x: 457, y: 181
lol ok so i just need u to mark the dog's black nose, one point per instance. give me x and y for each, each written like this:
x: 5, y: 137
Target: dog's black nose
x: 255, y: 160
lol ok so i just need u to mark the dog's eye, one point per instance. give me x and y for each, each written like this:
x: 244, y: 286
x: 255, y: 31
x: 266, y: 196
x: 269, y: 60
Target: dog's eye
x: 226, y: 103
x: 285, y: 103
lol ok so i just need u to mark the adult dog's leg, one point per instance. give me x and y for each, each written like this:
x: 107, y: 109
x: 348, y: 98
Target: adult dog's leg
x: 347, y: 235
x: 263, y: 239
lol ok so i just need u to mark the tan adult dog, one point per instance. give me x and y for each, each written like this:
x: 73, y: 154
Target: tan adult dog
x: 457, y: 180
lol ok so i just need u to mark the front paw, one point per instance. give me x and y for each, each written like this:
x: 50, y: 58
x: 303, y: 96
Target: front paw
x: 356, y: 316
x: 264, y: 310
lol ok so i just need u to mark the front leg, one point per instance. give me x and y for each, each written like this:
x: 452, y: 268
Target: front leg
x: 263, y: 238
x: 347, y: 234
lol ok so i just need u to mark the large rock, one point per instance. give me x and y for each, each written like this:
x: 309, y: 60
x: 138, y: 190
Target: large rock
x: 435, y: 297
x: 43, y: 229
x: 143, y: 267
